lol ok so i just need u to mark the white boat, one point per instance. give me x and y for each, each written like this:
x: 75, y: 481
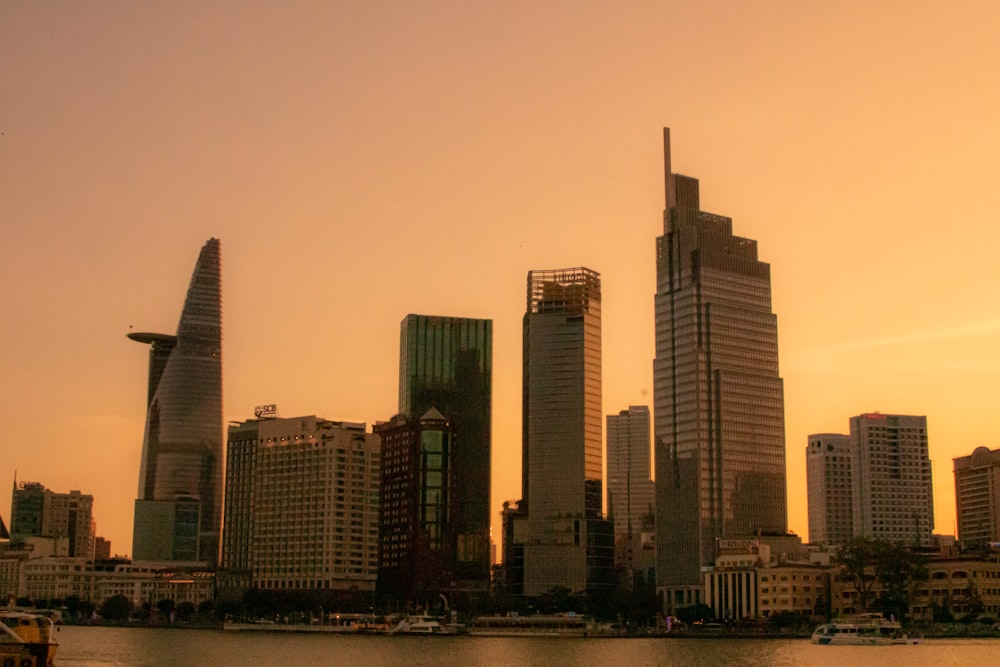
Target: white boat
x: 423, y: 625
x: 863, y: 630
x: 26, y: 640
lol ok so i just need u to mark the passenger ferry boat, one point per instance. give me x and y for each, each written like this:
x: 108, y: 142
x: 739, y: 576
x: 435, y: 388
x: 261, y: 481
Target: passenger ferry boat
x: 26, y: 640
x: 424, y: 625
x: 865, y: 629
x: 538, y: 625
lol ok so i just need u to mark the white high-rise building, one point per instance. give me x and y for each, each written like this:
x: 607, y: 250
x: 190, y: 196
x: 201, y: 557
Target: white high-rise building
x: 893, y: 497
x: 630, y: 487
x: 302, y: 504
x: 977, y: 496
x: 830, y: 489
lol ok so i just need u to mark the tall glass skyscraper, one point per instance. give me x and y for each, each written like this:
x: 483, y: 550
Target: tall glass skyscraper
x: 446, y: 363
x: 718, y: 404
x: 561, y: 441
x: 178, y: 512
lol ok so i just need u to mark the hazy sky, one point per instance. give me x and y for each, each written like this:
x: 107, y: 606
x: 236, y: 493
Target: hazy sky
x: 364, y: 160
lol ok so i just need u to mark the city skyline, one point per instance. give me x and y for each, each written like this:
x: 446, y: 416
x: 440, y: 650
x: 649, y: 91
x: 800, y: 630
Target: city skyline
x: 362, y: 163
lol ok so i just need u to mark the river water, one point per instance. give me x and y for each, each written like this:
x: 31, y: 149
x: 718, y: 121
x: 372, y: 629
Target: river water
x: 146, y: 647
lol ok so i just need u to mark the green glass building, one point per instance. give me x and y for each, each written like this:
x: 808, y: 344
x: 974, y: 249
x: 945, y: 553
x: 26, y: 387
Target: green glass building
x: 446, y: 363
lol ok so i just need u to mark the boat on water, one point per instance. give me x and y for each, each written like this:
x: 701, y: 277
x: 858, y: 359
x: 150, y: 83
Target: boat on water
x: 863, y: 630
x: 26, y: 640
x: 537, y: 625
x: 424, y: 625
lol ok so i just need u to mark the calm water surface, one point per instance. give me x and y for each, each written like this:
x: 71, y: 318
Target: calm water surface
x: 143, y: 647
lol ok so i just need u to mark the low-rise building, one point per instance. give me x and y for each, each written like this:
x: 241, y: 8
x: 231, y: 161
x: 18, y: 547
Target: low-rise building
x: 57, y: 578
x: 754, y: 579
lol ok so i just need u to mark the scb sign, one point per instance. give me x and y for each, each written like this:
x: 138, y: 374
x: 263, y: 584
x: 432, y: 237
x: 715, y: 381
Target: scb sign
x: 265, y: 411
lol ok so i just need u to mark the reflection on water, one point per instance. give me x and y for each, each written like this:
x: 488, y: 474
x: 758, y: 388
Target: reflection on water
x: 143, y: 647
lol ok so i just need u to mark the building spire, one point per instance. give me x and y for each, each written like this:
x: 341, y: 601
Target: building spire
x: 669, y: 181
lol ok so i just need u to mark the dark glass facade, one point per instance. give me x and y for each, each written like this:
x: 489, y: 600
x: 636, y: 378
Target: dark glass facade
x: 718, y: 399
x: 178, y: 511
x: 446, y: 363
x: 417, y: 537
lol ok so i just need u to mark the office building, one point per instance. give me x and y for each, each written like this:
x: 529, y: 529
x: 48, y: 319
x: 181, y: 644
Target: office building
x: 567, y: 541
x: 417, y: 539
x: 830, y: 488
x: 631, y: 494
x: 893, y: 496
x: 445, y: 364
x: 718, y: 401
x: 66, y: 518
x: 977, y: 497
x: 178, y: 512
x: 302, y: 504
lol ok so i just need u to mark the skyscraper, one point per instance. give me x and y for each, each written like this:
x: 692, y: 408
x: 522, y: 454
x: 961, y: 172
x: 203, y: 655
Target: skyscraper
x: 718, y: 402
x: 446, y: 363
x: 893, y: 496
x: 567, y: 542
x: 977, y: 496
x: 630, y: 486
x: 830, y: 488
x: 178, y: 512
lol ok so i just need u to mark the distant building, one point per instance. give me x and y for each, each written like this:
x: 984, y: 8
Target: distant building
x: 960, y: 585
x: 893, y: 496
x: 567, y: 541
x: 977, y: 496
x: 754, y: 578
x: 417, y: 540
x: 65, y: 517
x: 302, y: 504
x: 514, y: 522
x: 631, y: 493
x: 636, y: 552
x: 102, y: 548
x: 801, y: 588
x: 142, y: 582
x: 830, y: 488
x: 445, y: 363
x: 718, y: 400
x: 178, y: 513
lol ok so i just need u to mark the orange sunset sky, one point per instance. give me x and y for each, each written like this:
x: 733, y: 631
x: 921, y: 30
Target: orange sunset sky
x: 364, y: 160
